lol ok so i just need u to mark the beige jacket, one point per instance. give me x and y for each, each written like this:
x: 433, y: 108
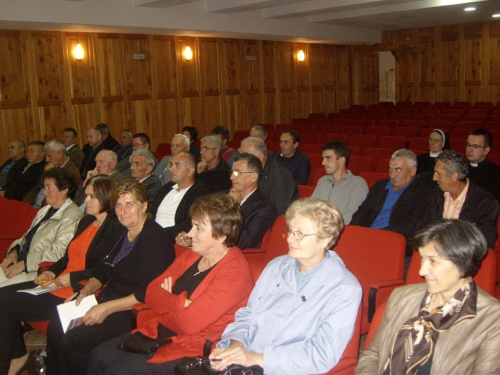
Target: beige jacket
x: 473, y: 347
x: 53, y: 236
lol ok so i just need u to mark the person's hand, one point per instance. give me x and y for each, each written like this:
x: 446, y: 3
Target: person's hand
x: 187, y: 302
x: 8, y: 261
x: 90, y: 174
x: 2, y: 192
x: 15, y: 269
x: 45, y: 279
x: 201, y: 166
x: 95, y: 315
x: 48, y: 166
x: 222, y: 358
x: 77, y: 297
x: 63, y: 280
x: 167, y: 284
x: 183, y: 239
x: 236, y: 195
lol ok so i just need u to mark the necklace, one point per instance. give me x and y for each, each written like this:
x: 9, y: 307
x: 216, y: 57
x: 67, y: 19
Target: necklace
x: 203, y: 269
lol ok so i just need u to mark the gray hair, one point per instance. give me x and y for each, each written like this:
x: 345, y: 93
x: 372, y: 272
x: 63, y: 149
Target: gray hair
x: 455, y: 162
x: 258, y: 144
x: 407, y: 154
x: 185, y: 138
x: 148, y: 155
x: 55, y: 146
x: 111, y: 154
x: 213, y: 139
x: 104, y: 128
x: 20, y: 143
x: 262, y: 129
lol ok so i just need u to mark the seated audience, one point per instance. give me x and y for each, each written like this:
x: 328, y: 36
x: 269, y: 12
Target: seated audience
x: 107, y: 139
x: 212, y: 170
x: 450, y: 325
x: 55, y: 155
x: 90, y: 150
x: 124, y: 149
x: 438, y: 142
x: 142, y: 164
x: 462, y: 199
x: 257, y: 131
x: 14, y: 166
x: 139, y: 141
x: 106, y: 161
x: 197, y: 296
x: 31, y: 175
x: 140, y: 255
x: 74, y: 152
x: 399, y: 203
x: 192, y: 133
x: 482, y: 171
x: 276, y: 181
x: 301, y: 313
x: 340, y: 186
x: 222, y: 133
x: 89, y: 245
x: 296, y: 161
x: 179, y: 143
x: 171, y: 206
x: 49, y: 234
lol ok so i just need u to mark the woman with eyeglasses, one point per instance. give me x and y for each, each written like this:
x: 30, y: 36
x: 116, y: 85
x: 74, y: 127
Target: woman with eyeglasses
x: 438, y: 142
x: 195, y: 298
x: 89, y: 244
x: 139, y: 255
x: 301, y: 313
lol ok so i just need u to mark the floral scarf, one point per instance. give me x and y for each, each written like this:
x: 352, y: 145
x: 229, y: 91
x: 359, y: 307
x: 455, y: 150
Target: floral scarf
x: 415, y: 341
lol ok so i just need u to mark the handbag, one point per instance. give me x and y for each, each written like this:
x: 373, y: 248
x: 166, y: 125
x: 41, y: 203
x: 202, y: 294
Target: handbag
x: 201, y: 366
x: 138, y: 342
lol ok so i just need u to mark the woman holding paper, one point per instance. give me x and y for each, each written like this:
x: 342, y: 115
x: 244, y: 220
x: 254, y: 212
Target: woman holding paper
x: 88, y: 247
x: 141, y: 254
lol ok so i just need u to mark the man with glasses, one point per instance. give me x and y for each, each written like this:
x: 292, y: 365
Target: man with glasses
x: 212, y: 170
x: 460, y: 198
x: 171, y: 206
x: 259, y: 212
x: 142, y: 164
x: 482, y: 171
x: 139, y: 141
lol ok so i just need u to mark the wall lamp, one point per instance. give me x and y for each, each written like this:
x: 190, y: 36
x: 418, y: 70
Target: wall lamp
x: 78, y: 52
x: 188, y: 54
x: 301, y: 55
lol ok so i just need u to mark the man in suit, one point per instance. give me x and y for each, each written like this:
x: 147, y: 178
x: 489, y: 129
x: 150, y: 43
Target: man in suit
x: 90, y: 150
x: 259, y: 212
x: 212, y: 170
x: 106, y: 161
x: 124, y: 149
x: 74, y: 152
x: 13, y: 167
x: 171, y: 206
x: 109, y: 143
x: 142, y: 165
x: 31, y: 174
x: 140, y: 141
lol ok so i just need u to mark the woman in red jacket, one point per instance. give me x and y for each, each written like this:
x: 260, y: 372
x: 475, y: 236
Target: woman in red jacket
x: 195, y: 298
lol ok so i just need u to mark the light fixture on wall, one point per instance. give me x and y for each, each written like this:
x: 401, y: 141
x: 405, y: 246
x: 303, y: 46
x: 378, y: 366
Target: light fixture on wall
x: 188, y: 54
x: 301, y: 55
x: 78, y: 52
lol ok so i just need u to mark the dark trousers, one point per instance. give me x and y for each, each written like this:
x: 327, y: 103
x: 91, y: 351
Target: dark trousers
x: 107, y: 359
x: 16, y: 307
x: 74, y: 347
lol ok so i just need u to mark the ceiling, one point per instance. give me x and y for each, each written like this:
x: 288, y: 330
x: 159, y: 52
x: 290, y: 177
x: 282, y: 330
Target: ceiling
x: 327, y: 21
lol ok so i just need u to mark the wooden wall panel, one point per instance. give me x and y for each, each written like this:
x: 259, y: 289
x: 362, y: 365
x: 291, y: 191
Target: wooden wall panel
x: 269, y: 78
x: 251, y: 84
x: 343, y: 74
x: 210, y: 85
x: 285, y: 61
x: 230, y: 61
x: 328, y: 77
x: 365, y: 78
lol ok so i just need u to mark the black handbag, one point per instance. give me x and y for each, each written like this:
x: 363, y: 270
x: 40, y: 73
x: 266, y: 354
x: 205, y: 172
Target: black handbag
x: 140, y: 343
x: 201, y: 366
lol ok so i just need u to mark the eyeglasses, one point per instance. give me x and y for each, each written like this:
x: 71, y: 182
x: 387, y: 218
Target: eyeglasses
x: 296, y: 234
x: 435, y: 141
x: 237, y: 173
x: 476, y: 147
x: 137, y: 144
x: 208, y: 148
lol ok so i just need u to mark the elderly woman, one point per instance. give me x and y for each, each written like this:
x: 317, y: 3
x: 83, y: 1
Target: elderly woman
x: 95, y: 231
x: 140, y: 254
x: 446, y: 326
x: 195, y: 297
x: 301, y: 313
x: 49, y: 234
x: 438, y: 142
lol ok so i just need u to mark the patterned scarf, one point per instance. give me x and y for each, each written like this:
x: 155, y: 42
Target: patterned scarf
x: 415, y: 341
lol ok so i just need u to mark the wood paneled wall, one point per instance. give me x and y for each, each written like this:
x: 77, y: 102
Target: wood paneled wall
x: 447, y: 63
x: 233, y: 82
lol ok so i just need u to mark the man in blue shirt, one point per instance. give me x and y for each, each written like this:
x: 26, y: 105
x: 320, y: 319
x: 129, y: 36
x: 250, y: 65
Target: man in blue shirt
x: 399, y: 203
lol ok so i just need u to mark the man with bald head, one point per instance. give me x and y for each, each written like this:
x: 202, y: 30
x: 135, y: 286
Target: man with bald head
x: 90, y: 150
x: 171, y: 206
x: 106, y: 161
x: 276, y: 181
x: 179, y: 143
x: 257, y: 131
x: 124, y: 149
x: 13, y: 167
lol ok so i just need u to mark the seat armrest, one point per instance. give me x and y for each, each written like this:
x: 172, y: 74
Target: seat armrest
x: 253, y: 251
x: 379, y: 293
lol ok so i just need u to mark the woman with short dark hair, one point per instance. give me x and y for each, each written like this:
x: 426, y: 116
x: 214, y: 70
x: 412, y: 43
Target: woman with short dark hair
x: 446, y: 326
